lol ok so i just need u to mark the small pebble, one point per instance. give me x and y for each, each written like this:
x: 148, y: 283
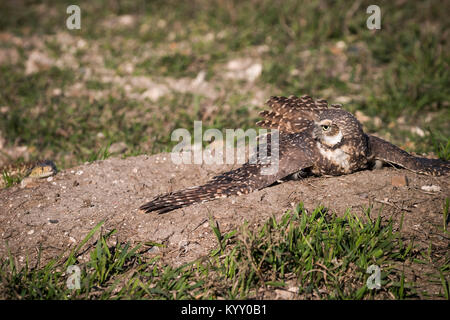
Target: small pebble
x: 399, y: 181
x: 154, y: 249
x: 431, y: 188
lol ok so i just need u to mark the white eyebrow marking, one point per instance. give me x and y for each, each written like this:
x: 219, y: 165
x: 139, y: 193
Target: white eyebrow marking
x: 331, y: 141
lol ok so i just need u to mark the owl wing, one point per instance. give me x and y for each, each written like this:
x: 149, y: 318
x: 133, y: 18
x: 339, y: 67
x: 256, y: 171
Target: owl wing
x: 387, y: 152
x: 295, y: 153
x: 292, y: 114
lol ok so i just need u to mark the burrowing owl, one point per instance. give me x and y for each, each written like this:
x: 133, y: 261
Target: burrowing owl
x: 314, y: 138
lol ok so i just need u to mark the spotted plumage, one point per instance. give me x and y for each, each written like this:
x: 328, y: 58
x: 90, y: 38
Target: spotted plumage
x: 314, y: 138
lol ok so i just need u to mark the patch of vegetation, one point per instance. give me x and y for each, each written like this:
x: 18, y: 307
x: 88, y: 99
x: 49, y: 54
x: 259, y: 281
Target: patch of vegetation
x: 441, y: 146
x: 9, y: 180
x: 319, y: 254
x: 175, y: 65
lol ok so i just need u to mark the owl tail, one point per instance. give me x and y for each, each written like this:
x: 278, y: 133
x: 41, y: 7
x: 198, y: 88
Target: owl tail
x: 199, y: 194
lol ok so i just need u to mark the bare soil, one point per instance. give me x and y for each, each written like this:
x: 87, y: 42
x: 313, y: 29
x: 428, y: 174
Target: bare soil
x: 57, y: 214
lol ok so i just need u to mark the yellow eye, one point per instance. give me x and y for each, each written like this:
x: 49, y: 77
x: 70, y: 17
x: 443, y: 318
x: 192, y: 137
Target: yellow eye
x: 325, y: 127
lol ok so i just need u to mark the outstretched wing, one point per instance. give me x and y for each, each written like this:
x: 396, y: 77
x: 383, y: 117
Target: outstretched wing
x: 387, y: 152
x: 294, y: 154
x: 292, y: 114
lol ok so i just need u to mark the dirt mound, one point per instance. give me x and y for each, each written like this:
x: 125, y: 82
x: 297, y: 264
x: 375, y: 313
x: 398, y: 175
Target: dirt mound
x: 58, y: 213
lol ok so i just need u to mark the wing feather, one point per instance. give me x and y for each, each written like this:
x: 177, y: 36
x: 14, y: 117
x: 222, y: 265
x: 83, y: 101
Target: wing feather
x: 389, y: 153
x: 292, y: 114
x: 294, y: 155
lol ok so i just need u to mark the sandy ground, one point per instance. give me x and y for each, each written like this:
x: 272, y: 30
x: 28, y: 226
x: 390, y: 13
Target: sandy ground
x: 56, y: 215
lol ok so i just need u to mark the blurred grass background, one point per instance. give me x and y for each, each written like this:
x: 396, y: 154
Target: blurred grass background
x: 137, y: 70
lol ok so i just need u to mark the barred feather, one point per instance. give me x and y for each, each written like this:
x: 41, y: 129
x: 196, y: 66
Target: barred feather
x: 293, y: 157
x: 210, y: 191
x: 387, y: 152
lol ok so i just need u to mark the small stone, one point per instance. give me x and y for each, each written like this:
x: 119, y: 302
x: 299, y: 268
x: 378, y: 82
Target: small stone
x: 418, y: 131
x: 343, y: 99
x: 126, y: 20
x: 154, y: 249
x: 57, y: 92
x: 399, y: 181
x: 37, y: 61
x: 341, y: 45
x: 28, y: 182
x: 377, y: 121
x: 293, y: 289
x: 363, y: 195
x: 361, y: 117
x: 4, y: 109
x: 284, y: 295
x: 431, y: 188
x: 118, y: 147
x: 244, y: 69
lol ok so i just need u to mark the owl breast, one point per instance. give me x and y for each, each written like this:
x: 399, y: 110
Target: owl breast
x: 343, y: 160
x: 337, y: 158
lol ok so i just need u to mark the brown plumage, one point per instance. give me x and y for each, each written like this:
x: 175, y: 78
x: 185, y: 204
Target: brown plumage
x: 314, y: 138
x: 389, y: 153
x: 242, y: 180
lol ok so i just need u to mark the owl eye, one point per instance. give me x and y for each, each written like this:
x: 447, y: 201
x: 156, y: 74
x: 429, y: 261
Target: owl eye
x: 325, y: 127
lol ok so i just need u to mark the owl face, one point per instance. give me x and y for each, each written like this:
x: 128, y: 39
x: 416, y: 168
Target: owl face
x: 328, y: 132
x: 332, y: 127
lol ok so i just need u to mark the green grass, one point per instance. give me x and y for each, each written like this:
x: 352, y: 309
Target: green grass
x: 445, y: 214
x: 10, y: 180
x: 319, y: 254
x: 175, y: 65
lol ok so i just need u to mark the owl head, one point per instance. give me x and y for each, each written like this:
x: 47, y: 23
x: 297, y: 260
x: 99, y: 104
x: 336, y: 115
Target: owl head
x: 333, y: 126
